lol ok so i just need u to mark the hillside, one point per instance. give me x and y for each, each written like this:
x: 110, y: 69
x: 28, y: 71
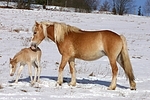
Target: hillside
x: 16, y: 33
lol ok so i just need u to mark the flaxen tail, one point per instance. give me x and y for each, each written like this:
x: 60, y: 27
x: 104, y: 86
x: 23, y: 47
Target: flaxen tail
x: 126, y: 61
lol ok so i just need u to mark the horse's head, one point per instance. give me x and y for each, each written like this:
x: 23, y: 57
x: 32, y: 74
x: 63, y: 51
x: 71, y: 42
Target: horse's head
x: 13, y: 66
x: 38, y: 35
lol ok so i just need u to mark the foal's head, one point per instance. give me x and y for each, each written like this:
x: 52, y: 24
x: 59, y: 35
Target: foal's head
x: 13, y: 66
x: 38, y: 35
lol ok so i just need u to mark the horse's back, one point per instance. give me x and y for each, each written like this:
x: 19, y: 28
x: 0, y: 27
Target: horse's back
x: 29, y: 51
x: 91, y: 45
x: 94, y: 36
x: 27, y: 54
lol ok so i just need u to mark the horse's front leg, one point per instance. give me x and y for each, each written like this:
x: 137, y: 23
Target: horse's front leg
x: 64, y: 60
x: 30, y: 72
x: 72, y: 71
x: 18, y: 73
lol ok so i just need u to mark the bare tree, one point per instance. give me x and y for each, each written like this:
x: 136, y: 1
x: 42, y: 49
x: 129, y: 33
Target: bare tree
x: 93, y: 3
x: 23, y: 4
x: 139, y: 11
x: 147, y: 7
x: 85, y: 5
x: 105, y: 6
x: 114, y: 8
x: 124, y: 6
x: 8, y: 2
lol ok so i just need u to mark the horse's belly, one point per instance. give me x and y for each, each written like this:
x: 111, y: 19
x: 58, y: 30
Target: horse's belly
x: 91, y: 56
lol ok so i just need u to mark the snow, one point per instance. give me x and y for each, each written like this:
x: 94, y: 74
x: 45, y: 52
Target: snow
x: 16, y: 33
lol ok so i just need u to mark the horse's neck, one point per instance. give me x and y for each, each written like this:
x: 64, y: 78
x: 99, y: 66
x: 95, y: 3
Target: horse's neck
x: 50, y: 33
x: 17, y: 58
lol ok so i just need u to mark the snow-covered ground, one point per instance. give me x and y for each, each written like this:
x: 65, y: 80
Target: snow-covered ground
x: 16, y: 33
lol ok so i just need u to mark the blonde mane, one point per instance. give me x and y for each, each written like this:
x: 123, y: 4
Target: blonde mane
x: 45, y: 25
x: 60, y: 29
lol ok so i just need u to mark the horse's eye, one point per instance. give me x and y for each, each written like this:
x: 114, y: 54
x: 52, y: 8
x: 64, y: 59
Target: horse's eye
x: 11, y: 66
x: 34, y: 32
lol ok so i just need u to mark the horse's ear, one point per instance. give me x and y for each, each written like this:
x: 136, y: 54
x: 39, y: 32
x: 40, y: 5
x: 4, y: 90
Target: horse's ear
x: 36, y: 23
x: 10, y: 59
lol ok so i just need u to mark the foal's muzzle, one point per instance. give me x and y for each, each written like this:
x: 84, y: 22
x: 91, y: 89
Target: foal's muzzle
x: 12, y: 74
x: 33, y: 46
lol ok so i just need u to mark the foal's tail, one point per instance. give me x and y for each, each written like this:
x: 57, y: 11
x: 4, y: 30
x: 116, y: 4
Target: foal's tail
x: 126, y: 64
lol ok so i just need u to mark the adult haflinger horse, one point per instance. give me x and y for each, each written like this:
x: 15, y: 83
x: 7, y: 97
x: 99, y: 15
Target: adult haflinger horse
x: 73, y: 42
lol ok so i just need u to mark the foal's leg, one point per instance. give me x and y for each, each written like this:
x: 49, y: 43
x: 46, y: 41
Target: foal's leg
x: 30, y: 71
x: 61, y: 68
x: 35, y: 71
x: 18, y: 73
x: 38, y: 71
x: 72, y: 71
x: 114, y: 74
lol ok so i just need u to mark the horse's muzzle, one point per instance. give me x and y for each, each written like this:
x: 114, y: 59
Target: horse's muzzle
x: 12, y: 74
x: 33, y: 46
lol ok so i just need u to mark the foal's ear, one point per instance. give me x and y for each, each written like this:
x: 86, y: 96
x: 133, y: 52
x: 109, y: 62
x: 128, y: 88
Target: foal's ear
x: 10, y: 59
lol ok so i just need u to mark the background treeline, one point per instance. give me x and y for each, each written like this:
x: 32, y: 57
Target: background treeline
x: 87, y: 5
x: 119, y: 7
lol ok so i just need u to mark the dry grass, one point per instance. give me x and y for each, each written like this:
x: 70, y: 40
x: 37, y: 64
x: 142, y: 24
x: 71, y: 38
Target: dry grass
x: 17, y: 30
x: 1, y: 87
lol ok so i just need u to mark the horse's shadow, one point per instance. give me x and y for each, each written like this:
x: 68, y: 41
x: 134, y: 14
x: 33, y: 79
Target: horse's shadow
x: 27, y: 79
x: 82, y: 81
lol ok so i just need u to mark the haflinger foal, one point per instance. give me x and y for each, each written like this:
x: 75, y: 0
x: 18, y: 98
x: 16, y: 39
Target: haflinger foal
x: 29, y: 57
x: 73, y: 42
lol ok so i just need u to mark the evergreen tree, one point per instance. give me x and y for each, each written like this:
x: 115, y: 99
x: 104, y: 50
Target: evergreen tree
x: 139, y: 11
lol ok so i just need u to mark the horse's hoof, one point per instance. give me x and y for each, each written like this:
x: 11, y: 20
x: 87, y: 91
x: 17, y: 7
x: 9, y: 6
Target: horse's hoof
x: 72, y: 84
x: 110, y: 88
x: 16, y: 82
x: 133, y: 88
x: 32, y: 83
x: 58, y: 84
x: 38, y: 81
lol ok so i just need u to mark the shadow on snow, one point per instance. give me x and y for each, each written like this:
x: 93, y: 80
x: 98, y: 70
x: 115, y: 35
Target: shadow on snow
x: 82, y: 81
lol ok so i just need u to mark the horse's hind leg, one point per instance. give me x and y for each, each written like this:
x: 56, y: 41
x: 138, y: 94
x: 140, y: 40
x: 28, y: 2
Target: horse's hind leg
x: 35, y: 71
x: 38, y: 72
x: 114, y: 74
x: 72, y: 71
x: 120, y: 61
